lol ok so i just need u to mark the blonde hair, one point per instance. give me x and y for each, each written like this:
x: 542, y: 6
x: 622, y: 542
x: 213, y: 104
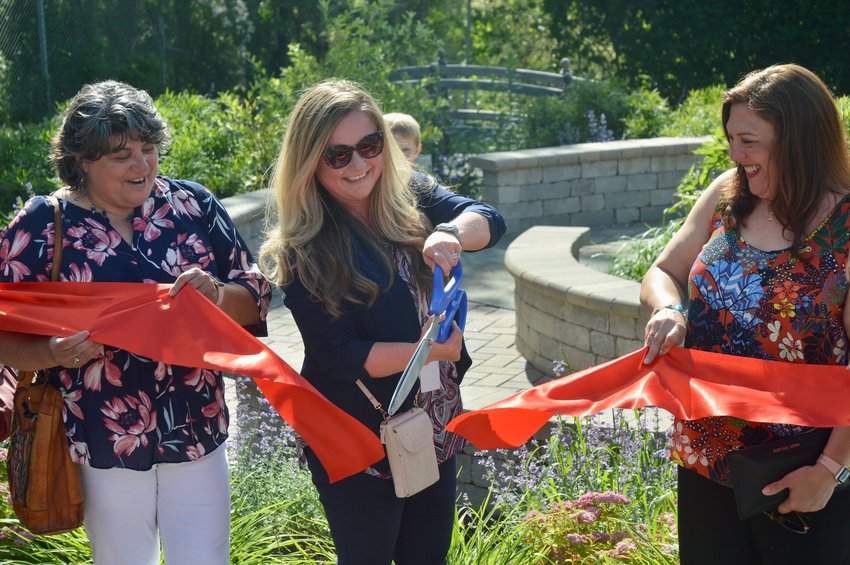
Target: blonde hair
x: 404, y: 125
x: 810, y: 148
x: 310, y: 235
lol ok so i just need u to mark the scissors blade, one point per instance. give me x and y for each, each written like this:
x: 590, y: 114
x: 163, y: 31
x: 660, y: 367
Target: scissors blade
x: 414, y: 367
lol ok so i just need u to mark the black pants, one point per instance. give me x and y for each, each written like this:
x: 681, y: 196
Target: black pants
x: 371, y: 526
x: 711, y: 533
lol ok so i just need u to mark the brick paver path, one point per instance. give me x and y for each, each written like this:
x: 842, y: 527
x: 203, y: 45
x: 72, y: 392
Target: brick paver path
x: 498, y: 370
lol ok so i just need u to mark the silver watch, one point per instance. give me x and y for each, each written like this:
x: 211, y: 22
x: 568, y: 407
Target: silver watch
x: 449, y: 228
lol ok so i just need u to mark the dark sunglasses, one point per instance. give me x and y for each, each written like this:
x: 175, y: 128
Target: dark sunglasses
x: 793, y: 521
x: 338, y: 156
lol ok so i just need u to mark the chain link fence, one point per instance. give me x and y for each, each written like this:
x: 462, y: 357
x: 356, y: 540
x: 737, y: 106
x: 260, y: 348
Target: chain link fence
x: 49, y: 48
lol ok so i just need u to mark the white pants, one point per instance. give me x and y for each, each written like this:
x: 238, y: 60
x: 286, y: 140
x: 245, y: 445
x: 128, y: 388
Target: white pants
x: 187, y: 504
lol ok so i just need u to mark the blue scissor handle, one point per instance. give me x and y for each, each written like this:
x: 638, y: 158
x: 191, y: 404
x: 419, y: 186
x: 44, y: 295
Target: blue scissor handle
x: 443, y: 295
x: 449, y: 300
x: 457, y: 305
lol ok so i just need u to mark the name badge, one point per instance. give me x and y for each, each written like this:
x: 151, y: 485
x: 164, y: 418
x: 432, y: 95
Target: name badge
x: 429, y: 378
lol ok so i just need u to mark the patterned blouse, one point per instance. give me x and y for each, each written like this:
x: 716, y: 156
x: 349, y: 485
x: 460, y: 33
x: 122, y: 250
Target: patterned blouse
x: 764, y: 305
x: 443, y: 404
x: 123, y: 410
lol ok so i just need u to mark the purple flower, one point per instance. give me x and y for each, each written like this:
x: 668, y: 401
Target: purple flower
x: 534, y: 515
x: 576, y: 539
x: 584, y: 517
x: 625, y: 547
x: 596, y: 498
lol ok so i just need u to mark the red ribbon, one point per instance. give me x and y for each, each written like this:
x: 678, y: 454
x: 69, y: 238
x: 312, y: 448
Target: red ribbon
x: 187, y: 330
x: 687, y: 383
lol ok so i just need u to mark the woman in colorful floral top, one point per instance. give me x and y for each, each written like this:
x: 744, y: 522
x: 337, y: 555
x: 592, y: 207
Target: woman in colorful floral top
x: 759, y: 266
x: 150, y: 437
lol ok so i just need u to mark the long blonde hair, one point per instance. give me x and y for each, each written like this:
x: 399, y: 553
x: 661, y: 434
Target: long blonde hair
x: 310, y: 235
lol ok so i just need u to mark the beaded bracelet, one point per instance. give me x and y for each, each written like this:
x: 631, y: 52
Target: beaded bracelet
x: 677, y: 307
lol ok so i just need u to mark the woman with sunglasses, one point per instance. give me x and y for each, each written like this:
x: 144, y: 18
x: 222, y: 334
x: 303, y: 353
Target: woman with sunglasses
x: 758, y: 270
x: 353, y: 245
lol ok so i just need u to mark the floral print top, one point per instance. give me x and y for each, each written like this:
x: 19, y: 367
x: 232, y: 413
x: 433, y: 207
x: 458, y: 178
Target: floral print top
x: 764, y: 305
x: 123, y: 410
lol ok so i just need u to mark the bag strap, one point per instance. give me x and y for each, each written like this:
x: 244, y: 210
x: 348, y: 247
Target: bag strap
x: 57, y: 238
x: 372, y: 399
x: 29, y: 378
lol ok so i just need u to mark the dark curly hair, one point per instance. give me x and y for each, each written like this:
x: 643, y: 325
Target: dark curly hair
x: 98, y: 112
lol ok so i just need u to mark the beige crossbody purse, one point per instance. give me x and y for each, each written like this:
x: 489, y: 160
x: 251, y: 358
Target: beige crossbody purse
x: 409, y: 441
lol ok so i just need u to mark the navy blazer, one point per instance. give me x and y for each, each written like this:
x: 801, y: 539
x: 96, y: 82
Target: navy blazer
x: 335, y: 350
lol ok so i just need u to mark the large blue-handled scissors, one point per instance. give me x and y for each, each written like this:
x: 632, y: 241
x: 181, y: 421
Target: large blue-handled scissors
x: 448, y: 299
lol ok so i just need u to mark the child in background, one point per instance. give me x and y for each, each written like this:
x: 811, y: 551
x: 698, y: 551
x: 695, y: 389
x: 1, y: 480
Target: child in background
x: 405, y: 130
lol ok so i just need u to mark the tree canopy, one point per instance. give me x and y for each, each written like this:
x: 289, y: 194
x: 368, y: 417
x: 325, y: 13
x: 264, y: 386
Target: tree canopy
x: 679, y: 45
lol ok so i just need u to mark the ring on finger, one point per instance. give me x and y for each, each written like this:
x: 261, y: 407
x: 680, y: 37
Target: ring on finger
x: 453, y: 254
x: 76, y: 360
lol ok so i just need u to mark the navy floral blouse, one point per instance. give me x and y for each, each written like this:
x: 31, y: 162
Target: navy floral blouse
x: 123, y: 410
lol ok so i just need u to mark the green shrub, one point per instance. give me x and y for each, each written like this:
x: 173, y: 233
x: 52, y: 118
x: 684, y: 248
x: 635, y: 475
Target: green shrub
x: 577, y: 116
x: 648, y: 112
x: 217, y: 142
x: 698, y: 115
x: 24, y: 158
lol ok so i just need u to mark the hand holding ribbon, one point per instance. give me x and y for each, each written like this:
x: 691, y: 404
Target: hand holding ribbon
x: 184, y: 330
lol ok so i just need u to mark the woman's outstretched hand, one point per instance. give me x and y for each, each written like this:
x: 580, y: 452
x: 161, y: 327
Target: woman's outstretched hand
x: 441, y: 249
x: 73, y: 351
x: 449, y: 350
x: 203, y: 282
x: 665, y: 330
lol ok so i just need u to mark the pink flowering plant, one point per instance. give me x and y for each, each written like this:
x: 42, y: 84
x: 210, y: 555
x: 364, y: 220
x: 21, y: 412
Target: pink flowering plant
x: 594, y: 527
x: 598, y: 488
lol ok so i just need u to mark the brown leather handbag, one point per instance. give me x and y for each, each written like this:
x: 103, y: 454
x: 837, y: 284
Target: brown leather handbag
x: 8, y: 380
x: 44, y: 483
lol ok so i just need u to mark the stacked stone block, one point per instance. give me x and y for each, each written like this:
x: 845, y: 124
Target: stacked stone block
x: 565, y: 310
x: 587, y: 184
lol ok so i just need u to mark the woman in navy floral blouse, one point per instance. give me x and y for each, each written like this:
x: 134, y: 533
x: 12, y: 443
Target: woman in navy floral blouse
x: 150, y: 437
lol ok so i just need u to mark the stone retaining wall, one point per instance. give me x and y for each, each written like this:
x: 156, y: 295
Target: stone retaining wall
x: 587, y: 184
x: 248, y: 212
x: 565, y: 310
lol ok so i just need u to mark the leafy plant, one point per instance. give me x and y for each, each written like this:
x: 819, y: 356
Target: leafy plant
x: 216, y: 141
x: 648, y: 114
x: 24, y: 158
x: 634, y: 257
x: 567, y: 119
x: 699, y: 114
x: 489, y: 535
x: 596, y: 525
x: 455, y: 173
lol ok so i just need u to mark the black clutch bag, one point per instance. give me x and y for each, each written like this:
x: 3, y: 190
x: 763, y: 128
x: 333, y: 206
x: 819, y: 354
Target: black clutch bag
x: 753, y: 468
